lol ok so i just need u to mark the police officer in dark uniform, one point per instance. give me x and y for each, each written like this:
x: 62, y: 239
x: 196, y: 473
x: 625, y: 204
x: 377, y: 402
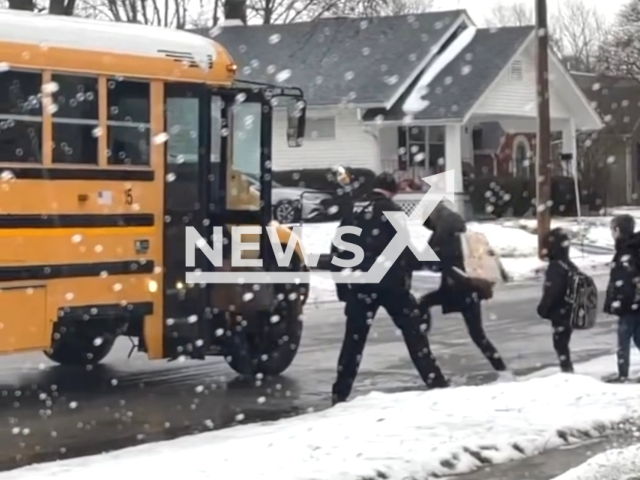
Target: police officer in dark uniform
x: 392, y: 293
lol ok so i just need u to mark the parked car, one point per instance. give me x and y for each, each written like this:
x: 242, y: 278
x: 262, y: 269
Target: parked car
x: 293, y: 204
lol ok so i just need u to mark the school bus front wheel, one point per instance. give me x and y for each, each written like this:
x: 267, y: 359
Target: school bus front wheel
x: 264, y: 333
x: 77, y: 347
x: 269, y: 349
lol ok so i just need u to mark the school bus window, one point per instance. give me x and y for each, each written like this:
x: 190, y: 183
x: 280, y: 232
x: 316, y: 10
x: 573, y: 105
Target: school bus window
x: 183, y: 146
x: 75, y: 119
x: 216, y: 128
x: 182, y: 124
x: 20, y: 116
x: 247, y: 119
x: 128, y: 125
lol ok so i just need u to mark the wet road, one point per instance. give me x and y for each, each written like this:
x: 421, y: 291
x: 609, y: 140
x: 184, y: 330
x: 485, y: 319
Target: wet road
x: 48, y: 412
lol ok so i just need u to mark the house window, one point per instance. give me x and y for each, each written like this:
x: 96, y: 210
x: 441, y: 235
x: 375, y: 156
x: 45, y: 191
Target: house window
x: 412, y: 147
x: 320, y: 128
x: 418, y: 145
x: 436, y: 149
x: 517, y: 71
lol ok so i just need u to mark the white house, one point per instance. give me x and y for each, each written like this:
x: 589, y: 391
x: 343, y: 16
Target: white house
x: 405, y: 93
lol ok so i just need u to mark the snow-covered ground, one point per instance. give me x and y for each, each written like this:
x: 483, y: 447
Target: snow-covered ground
x: 600, y: 368
x: 392, y: 436
x: 592, y: 231
x: 616, y: 464
x: 516, y: 246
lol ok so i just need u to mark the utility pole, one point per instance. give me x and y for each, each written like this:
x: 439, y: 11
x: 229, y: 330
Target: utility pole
x: 543, y: 143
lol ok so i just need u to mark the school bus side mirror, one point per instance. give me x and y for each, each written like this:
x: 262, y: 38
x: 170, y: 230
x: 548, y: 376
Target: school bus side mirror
x: 296, y: 114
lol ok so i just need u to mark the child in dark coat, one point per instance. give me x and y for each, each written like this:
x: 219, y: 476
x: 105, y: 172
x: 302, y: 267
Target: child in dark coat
x: 623, y: 295
x: 554, y: 305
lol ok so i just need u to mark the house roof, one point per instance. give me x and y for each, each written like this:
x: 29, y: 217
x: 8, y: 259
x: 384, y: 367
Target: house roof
x: 617, y: 100
x: 337, y: 60
x: 458, y: 87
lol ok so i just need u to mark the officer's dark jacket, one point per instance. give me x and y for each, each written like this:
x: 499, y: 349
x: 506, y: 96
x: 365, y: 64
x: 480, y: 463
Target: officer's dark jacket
x: 376, y: 234
x: 623, y: 278
x: 553, y: 304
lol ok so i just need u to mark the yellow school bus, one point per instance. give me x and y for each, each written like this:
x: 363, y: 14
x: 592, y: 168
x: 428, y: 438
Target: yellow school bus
x: 113, y: 138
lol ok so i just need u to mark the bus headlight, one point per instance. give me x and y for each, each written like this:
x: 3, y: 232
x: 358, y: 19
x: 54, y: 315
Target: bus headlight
x: 153, y: 286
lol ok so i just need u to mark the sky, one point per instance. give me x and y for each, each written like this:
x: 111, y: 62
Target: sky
x: 479, y: 9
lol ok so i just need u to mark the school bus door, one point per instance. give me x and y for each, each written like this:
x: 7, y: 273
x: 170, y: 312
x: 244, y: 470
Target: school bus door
x: 186, y: 202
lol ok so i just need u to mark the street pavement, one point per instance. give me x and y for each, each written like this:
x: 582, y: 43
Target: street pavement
x: 50, y: 412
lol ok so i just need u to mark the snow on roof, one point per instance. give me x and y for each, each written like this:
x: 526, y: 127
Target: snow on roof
x: 416, y: 102
x: 104, y: 36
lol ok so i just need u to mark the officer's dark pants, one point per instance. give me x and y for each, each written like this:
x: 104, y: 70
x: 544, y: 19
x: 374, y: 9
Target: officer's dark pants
x: 361, y: 307
x: 628, y: 329
x: 472, y: 314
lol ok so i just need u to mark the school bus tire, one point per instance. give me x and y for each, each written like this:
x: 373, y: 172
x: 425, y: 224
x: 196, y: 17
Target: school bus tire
x: 275, y: 361
x: 80, y: 350
x: 284, y: 336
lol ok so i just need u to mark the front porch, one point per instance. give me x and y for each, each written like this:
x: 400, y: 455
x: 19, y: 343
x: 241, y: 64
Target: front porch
x: 485, y: 147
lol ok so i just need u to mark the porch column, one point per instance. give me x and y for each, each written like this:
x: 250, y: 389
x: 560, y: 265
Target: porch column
x: 569, y: 145
x: 453, y: 161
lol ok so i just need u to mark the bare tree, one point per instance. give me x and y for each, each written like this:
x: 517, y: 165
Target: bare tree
x: 165, y: 13
x: 581, y: 33
x: 621, y: 53
x: 577, y: 31
x: 288, y: 11
x: 56, y: 7
x: 510, y: 15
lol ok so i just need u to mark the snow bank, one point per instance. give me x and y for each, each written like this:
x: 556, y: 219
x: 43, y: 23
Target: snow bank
x: 617, y: 464
x: 392, y: 436
x: 317, y: 237
x: 516, y: 247
x: 600, y: 367
x: 321, y: 290
x: 507, y: 241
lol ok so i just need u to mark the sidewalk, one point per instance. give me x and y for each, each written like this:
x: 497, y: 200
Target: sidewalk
x: 552, y: 463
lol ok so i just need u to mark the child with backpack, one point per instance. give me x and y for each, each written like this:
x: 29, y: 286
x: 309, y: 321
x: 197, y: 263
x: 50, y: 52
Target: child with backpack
x: 569, y: 296
x: 553, y: 305
x: 622, y: 297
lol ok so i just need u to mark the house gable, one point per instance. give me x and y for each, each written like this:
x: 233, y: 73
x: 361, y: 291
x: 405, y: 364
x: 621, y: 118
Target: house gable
x: 515, y: 96
x: 338, y: 60
x: 514, y: 92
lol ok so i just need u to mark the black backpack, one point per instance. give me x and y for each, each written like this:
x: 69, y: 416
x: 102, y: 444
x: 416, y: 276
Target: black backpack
x: 582, y: 297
